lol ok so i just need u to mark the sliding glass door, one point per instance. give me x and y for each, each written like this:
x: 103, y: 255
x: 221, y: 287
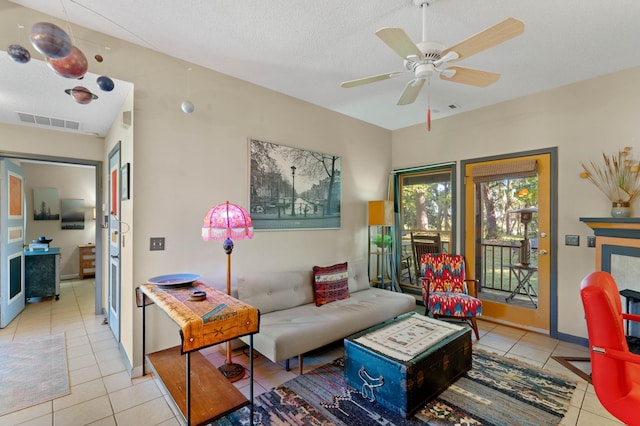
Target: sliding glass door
x: 426, y: 203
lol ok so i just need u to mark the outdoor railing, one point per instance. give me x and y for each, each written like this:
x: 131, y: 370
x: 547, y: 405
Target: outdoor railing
x: 495, y: 271
x: 494, y: 266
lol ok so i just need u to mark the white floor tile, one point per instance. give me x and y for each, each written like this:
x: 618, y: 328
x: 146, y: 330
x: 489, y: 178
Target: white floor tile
x: 103, y: 394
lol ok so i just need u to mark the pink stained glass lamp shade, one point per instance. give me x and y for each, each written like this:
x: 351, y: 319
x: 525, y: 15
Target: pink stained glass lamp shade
x: 227, y: 220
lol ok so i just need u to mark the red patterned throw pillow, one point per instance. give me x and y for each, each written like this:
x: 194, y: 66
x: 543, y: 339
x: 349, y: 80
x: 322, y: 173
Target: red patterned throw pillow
x: 330, y: 283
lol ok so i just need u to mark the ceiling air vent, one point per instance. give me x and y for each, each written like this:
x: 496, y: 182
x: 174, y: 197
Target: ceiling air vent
x: 56, y: 122
x: 43, y: 121
x: 48, y: 121
x: 26, y: 118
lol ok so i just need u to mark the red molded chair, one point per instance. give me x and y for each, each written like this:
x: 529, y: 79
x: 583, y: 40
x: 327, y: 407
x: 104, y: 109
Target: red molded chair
x: 615, y: 372
x: 445, y: 290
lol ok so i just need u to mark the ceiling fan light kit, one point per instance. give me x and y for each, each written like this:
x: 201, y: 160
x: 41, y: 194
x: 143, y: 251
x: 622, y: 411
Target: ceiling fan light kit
x: 428, y: 58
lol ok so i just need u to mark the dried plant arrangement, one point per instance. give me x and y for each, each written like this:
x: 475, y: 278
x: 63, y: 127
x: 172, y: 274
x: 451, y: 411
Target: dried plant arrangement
x: 617, y: 176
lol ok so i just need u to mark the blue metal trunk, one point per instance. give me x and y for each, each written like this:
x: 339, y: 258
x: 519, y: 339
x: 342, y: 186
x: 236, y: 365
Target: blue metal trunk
x: 405, y: 386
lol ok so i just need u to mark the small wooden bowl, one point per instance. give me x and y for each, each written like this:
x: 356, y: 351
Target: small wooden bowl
x: 198, y: 296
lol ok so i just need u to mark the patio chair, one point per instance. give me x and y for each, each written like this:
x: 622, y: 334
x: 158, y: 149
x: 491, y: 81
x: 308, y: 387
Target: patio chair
x: 422, y: 243
x: 405, y: 269
x: 615, y: 372
x: 446, y: 292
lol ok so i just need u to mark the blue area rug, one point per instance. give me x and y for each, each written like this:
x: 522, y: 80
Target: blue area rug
x: 496, y: 391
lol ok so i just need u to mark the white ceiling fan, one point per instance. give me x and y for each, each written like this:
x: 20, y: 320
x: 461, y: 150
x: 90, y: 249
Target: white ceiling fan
x: 427, y: 58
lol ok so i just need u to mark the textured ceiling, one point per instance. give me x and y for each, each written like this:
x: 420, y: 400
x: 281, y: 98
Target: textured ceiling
x: 305, y: 48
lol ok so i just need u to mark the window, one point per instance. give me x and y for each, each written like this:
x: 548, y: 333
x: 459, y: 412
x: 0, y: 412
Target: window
x: 426, y: 201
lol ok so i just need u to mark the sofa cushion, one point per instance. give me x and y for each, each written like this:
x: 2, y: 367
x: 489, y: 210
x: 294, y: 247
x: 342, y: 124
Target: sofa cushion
x: 275, y: 291
x: 288, y: 333
x: 358, y: 276
x: 330, y: 283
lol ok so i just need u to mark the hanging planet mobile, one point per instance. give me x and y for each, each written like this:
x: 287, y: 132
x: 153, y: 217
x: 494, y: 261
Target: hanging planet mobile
x: 75, y: 65
x: 81, y: 95
x: 105, y: 83
x: 19, y: 54
x: 187, y: 107
x: 50, y: 40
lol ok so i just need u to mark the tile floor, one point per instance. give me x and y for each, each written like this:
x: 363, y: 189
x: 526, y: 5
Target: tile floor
x: 103, y: 394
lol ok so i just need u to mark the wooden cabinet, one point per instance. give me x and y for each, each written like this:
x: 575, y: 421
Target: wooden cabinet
x: 87, y: 254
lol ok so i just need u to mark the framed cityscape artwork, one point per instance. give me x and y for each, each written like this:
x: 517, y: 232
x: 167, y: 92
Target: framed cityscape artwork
x: 293, y: 188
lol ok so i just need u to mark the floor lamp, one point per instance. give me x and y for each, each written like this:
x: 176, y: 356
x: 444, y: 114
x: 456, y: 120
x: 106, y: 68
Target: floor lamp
x: 227, y: 222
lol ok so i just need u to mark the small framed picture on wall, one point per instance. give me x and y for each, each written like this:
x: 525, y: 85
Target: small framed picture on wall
x: 124, y: 189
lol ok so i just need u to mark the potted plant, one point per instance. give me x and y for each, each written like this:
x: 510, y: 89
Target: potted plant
x: 379, y: 241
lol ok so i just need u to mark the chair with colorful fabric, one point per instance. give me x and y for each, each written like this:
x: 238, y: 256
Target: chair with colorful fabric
x: 615, y: 372
x: 446, y: 292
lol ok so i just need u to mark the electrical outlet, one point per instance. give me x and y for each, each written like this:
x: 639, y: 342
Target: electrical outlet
x: 572, y: 240
x: 156, y: 243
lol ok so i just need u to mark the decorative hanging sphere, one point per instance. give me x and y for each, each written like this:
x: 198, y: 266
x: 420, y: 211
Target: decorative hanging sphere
x: 73, y: 66
x: 19, y: 54
x: 50, y: 40
x: 81, y: 95
x: 187, y: 107
x: 105, y: 83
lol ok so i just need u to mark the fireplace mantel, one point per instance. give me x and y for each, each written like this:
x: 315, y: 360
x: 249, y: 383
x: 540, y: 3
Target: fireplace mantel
x: 628, y: 227
x: 618, y: 252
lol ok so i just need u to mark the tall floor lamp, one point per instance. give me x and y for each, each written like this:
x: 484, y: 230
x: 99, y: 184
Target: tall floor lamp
x: 227, y: 222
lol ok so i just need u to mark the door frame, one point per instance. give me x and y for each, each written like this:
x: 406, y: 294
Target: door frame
x: 114, y: 241
x: 99, y: 213
x: 553, y: 225
x: 398, y: 200
x: 11, y: 306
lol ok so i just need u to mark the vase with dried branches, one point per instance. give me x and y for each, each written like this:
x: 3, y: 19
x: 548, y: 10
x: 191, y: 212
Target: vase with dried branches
x: 618, y: 177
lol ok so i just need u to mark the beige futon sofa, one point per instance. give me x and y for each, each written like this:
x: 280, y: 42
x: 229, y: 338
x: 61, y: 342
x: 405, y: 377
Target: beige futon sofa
x: 290, y: 322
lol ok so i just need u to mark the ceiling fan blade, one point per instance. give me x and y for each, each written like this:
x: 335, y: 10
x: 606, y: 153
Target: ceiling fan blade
x: 399, y: 41
x: 411, y: 91
x: 470, y: 76
x: 371, y: 79
x: 492, y: 36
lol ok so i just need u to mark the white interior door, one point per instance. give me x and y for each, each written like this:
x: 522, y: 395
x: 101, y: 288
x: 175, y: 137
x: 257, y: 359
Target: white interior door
x: 114, y: 242
x: 12, y: 230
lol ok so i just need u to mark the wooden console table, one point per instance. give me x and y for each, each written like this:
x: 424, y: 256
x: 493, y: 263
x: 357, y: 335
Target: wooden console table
x: 216, y: 319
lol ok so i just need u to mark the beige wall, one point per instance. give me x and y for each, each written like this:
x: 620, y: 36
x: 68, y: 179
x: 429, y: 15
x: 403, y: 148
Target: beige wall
x: 583, y: 120
x: 185, y: 164
x: 74, y: 182
x: 50, y: 143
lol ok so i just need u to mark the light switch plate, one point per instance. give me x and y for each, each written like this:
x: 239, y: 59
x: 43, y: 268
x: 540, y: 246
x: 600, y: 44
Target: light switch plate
x: 572, y: 240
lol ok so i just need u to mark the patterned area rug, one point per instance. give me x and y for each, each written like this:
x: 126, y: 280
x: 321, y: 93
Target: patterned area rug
x: 32, y: 372
x: 496, y: 391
